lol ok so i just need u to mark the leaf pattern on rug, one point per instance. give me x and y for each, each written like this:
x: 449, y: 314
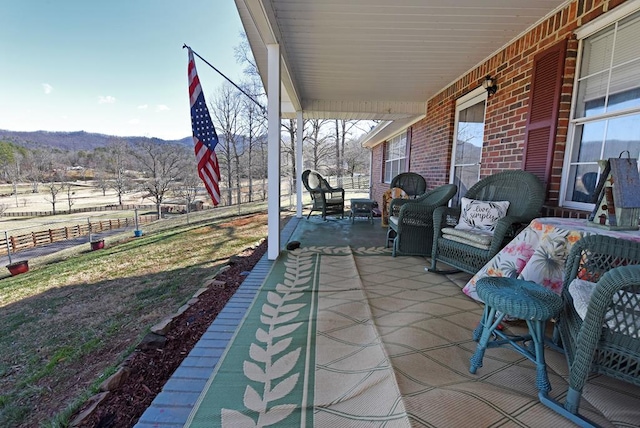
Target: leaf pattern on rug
x: 323, y: 250
x: 361, y: 251
x: 271, y: 359
x: 372, y: 251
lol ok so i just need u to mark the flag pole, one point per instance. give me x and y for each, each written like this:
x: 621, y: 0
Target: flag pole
x: 264, y: 111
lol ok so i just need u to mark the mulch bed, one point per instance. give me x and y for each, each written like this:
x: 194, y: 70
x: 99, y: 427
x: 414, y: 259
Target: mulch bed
x: 150, y: 369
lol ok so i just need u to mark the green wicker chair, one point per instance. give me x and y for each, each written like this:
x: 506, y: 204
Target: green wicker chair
x: 412, y: 229
x: 324, y: 198
x: 607, y: 341
x: 412, y: 183
x: 525, y: 193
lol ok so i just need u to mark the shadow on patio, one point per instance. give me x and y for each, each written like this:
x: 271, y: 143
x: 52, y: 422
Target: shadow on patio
x: 343, y: 334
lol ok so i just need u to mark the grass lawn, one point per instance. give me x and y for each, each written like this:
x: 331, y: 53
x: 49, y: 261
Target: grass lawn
x: 65, y: 326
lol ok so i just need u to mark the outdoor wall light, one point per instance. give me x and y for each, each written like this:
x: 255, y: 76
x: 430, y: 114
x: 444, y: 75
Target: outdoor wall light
x: 490, y: 85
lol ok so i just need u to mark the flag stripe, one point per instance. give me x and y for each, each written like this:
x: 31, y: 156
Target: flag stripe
x: 205, y: 138
x: 208, y: 173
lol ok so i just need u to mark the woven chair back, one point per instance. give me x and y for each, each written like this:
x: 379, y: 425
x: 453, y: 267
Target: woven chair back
x: 522, y: 189
x: 412, y: 183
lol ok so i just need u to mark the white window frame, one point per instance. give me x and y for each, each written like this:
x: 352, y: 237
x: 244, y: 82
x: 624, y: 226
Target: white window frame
x: 400, y: 159
x: 583, y: 33
x: 474, y: 97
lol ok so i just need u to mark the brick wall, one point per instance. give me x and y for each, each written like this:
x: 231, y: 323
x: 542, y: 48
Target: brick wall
x: 506, y: 113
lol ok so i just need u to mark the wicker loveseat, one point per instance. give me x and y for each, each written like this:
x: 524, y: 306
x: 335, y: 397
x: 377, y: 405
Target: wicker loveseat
x: 607, y: 340
x: 411, y: 230
x: 324, y: 198
x: 525, y: 194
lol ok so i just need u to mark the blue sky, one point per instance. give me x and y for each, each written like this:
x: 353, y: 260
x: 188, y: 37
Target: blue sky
x: 115, y: 67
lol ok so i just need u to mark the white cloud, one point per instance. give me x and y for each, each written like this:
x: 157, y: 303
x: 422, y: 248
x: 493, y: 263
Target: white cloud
x: 162, y: 107
x: 47, y: 88
x: 134, y: 121
x: 143, y: 107
x: 106, y: 100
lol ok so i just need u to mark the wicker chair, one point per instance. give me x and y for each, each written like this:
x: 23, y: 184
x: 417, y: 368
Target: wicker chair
x: 607, y: 341
x: 412, y: 183
x: 412, y: 229
x: 525, y: 193
x: 324, y: 198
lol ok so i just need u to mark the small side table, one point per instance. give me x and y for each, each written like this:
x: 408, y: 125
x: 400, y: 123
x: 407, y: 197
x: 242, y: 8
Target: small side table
x: 362, y: 208
x: 524, y: 300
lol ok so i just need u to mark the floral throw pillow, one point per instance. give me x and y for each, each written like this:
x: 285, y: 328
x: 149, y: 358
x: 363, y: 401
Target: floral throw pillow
x: 481, y: 215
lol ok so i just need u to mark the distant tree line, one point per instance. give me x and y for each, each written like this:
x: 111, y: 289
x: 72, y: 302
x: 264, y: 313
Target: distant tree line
x: 162, y: 169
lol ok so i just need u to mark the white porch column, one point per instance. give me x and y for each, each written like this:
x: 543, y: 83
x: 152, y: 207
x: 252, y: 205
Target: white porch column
x: 299, y: 131
x: 273, y: 147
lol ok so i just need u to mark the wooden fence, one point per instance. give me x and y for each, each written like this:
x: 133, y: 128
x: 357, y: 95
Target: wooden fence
x: 45, y: 237
x: 79, y: 210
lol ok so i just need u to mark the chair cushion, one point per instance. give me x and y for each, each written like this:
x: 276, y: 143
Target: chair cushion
x: 581, y: 292
x: 474, y: 237
x: 623, y: 317
x: 409, y: 221
x: 314, y: 180
x: 481, y: 215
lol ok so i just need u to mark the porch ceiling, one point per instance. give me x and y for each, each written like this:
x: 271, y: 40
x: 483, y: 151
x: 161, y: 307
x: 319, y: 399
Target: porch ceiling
x: 379, y: 59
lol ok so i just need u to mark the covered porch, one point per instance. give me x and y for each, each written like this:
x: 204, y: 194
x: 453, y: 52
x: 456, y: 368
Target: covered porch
x: 388, y: 345
x: 408, y: 62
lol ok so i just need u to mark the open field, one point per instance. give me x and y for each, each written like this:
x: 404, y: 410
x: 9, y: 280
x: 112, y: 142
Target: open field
x: 84, y: 194
x: 65, y: 326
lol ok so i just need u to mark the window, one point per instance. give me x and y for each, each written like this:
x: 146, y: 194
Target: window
x: 606, y: 113
x: 467, y: 145
x: 395, y: 157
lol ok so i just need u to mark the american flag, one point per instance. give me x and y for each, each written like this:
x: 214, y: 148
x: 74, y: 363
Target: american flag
x: 205, y: 138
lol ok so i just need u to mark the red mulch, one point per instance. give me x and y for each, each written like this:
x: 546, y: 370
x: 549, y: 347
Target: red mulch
x: 150, y: 369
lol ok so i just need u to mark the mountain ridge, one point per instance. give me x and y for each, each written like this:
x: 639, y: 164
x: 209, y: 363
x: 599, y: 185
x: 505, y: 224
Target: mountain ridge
x: 76, y: 140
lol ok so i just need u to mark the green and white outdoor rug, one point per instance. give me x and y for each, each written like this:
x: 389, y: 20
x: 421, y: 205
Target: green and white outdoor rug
x: 307, y: 353
x: 341, y: 337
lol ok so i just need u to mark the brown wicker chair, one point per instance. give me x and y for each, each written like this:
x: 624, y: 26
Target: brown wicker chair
x: 607, y: 341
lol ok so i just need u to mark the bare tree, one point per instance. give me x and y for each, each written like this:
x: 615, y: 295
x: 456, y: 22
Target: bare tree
x: 162, y: 165
x: 288, y: 146
x: 355, y: 159
x: 38, y: 164
x: 255, y: 119
x: 261, y: 164
x: 53, y: 187
x: 226, y: 109
x: 344, y: 130
x: 118, y: 154
x: 244, y: 56
x: 70, y: 193
x: 253, y: 126
x: 317, y: 144
x: 101, y: 182
x: 187, y: 188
